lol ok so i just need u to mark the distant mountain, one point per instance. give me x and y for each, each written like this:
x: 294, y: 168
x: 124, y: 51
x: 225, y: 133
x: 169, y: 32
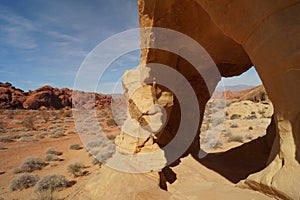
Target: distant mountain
x: 234, y: 88
x: 255, y: 94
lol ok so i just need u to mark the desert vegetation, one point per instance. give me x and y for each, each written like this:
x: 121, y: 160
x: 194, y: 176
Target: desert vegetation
x: 47, y: 142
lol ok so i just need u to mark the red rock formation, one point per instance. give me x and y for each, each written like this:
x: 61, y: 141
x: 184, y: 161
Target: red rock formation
x: 48, y: 97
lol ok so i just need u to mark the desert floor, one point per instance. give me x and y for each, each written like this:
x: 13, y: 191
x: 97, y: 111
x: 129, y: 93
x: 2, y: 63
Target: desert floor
x: 29, y: 133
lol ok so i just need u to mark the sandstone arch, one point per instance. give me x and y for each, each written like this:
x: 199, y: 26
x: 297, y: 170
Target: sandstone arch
x: 236, y: 34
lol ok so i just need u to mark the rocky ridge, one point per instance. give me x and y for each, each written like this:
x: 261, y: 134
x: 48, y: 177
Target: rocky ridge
x: 48, y: 97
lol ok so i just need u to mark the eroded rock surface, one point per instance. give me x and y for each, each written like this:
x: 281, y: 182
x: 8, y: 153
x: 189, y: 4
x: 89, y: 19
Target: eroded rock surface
x: 237, y: 35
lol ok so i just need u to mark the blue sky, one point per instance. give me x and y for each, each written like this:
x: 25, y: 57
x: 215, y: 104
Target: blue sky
x: 45, y: 42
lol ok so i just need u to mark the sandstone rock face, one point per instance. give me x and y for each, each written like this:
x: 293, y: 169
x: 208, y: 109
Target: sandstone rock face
x: 10, y: 97
x: 236, y: 34
x: 49, y: 98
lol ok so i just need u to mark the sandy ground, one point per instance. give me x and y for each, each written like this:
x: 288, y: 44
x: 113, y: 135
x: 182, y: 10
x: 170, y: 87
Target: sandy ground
x: 195, y: 180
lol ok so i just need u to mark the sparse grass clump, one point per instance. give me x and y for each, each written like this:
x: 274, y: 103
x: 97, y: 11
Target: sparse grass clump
x: 23, y: 181
x: 30, y: 164
x: 76, y: 169
x: 75, y: 147
x: 53, y: 151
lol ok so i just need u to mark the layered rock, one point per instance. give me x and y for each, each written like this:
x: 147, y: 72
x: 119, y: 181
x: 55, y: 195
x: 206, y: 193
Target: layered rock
x: 48, y: 97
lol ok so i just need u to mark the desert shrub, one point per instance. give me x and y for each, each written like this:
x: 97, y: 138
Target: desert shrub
x: 57, y: 134
x: 52, y: 182
x: 68, y: 113
x: 71, y: 132
x: 30, y: 164
x: 235, y: 116
x: 5, y: 139
x: 52, y: 157
x: 25, y: 135
x: 66, y: 126
x: 75, y: 147
x: 94, y: 143
x: 42, y: 129
x: 111, y: 137
x: 53, y: 127
x: 39, y: 136
x: 28, y: 139
x: 250, y: 128
x: 53, y: 151
x: 18, y: 129
x: 234, y: 126
x: 236, y: 138
x: 76, y: 169
x: 3, y: 122
x: 2, y: 130
x: 106, y: 153
x: 111, y: 122
x: 28, y: 122
x: 23, y: 181
x: 15, y: 121
x: 14, y: 136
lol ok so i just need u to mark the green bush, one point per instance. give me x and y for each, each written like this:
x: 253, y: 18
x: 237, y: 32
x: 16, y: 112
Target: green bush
x: 23, y: 181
